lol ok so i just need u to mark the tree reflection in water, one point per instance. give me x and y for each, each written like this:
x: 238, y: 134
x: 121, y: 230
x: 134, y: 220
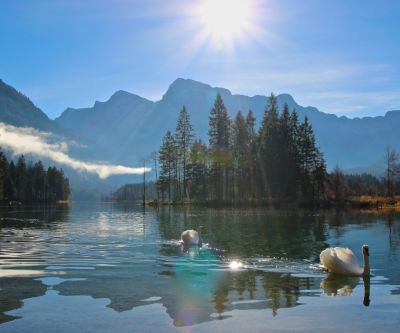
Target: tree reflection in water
x: 278, y: 248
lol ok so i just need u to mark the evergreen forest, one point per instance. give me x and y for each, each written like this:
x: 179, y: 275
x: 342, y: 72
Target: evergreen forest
x: 31, y: 182
x: 279, y: 162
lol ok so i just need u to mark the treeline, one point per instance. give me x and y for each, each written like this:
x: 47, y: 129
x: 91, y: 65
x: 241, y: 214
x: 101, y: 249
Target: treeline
x: 278, y: 162
x: 135, y: 192
x: 26, y: 182
x: 345, y: 187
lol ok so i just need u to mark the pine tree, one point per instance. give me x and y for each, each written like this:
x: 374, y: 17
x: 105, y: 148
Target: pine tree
x: 198, y: 171
x: 320, y: 178
x: 10, y: 189
x: 251, y: 156
x: 51, y: 183
x: 3, y: 173
x: 65, y: 188
x: 167, y: 161
x: 21, y: 178
x: 219, y: 135
x: 39, y: 182
x: 240, y: 149
x: 287, y: 174
x: 268, y: 148
x: 184, y: 138
x: 309, y: 157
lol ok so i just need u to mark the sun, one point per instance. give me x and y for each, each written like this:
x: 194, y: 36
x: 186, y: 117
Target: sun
x: 225, y: 21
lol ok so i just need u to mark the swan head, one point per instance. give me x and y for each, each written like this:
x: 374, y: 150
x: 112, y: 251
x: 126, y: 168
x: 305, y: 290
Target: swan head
x: 365, y: 250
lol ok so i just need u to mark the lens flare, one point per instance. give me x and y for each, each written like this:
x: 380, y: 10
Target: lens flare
x: 225, y: 22
x: 235, y: 264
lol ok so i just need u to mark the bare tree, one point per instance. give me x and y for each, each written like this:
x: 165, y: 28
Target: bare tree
x: 154, y: 157
x: 392, y: 169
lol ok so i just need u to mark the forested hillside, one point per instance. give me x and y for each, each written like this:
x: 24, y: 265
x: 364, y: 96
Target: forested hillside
x: 29, y: 182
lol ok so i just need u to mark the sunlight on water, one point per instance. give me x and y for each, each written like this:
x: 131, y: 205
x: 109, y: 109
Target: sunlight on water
x: 235, y: 264
x: 253, y: 266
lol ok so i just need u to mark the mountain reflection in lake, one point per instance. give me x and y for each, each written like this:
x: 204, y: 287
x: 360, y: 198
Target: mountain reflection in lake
x: 129, y: 262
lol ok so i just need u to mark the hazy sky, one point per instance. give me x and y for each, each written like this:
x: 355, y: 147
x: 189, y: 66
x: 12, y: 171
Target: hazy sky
x: 338, y: 55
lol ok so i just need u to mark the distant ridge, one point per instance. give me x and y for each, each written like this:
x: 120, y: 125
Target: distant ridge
x: 132, y: 127
x: 127, y: 127
x: 18, y: 110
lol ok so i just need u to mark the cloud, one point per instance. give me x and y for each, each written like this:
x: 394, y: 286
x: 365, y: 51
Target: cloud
x: 351, y: 89
x: 26, y: 140
x: 356, y: 103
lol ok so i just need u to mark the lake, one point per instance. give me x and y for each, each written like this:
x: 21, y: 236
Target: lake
x: 119, y: 268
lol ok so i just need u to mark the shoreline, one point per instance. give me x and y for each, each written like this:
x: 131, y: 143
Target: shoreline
x: 362, y: 203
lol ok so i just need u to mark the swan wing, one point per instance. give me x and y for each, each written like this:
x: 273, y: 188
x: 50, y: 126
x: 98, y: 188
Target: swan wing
x: 346, y: 255
x: 340, y: 260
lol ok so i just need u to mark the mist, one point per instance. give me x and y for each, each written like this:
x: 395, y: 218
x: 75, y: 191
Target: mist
x: 26, y: 140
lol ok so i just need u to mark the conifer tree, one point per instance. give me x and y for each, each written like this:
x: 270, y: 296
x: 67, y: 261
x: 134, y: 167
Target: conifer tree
x: 251, y: 156
x: 309, y: 157
x: 320, y: 178
x: 219, y: 136
x: 269, y: 151
x: 287, y: 145
x: 184, y: 138
x: 198, y: 171
x: 240, y: 149
x: 3, y: 173
x: 10, y: 189
x: 167, y: 161
x: 21, y: 178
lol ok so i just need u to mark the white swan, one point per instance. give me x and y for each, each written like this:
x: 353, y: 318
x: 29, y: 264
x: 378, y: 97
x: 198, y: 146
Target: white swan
x: 191, y: 238
x: 340, y: 260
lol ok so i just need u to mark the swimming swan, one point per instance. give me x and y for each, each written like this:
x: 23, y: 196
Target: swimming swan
x: 191, y: 238
x: 340, y: 260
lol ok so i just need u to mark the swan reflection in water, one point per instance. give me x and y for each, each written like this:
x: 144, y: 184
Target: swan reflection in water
x: 337, y: 285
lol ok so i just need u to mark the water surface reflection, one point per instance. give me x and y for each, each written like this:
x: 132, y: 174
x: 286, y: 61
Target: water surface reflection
x: 132, y: 258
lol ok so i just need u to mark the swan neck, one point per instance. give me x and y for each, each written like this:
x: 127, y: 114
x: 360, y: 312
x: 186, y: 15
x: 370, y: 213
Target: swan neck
x: 366, y: 271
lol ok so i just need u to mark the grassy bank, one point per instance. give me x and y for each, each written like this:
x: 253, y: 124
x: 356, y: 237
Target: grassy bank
x: 361, y: 202
x: 378, y: 202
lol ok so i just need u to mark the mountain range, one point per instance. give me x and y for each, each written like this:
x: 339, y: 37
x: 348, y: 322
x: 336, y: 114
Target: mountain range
x: 16, y: 109
x: 127, y: 128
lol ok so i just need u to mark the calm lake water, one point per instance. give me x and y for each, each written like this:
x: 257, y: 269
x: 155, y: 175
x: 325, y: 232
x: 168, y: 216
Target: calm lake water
x: 112, y: 268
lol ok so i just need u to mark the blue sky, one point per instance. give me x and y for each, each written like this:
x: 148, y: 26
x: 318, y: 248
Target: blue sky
x: 338, y: 55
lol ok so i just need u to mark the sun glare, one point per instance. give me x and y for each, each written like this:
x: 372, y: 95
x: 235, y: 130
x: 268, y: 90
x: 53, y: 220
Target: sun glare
x: 225, y: 21
x: 235, y: 264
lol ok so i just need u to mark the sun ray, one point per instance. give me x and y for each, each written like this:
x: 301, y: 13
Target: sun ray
x: 226, y: 22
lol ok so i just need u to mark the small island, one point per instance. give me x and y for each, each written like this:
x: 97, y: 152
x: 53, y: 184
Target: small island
x: 277, y: 164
